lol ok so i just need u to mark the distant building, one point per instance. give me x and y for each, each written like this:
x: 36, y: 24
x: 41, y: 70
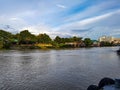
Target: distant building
x: 109, y: 39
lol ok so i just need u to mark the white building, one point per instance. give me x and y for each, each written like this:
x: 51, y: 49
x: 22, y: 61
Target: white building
x: 109, y: 39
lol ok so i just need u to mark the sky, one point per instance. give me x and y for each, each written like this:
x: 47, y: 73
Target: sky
x: 64, y: 18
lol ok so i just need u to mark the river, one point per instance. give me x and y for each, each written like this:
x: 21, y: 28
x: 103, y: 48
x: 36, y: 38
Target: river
x: 70, y: 69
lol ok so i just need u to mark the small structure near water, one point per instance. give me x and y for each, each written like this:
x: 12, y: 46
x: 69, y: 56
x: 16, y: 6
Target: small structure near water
x: 106, y: 84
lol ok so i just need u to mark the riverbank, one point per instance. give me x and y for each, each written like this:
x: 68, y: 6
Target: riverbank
x: 45, y: 46
x: 38, y: 46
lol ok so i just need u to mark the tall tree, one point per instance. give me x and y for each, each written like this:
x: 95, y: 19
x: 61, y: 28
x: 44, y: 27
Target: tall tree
x: 5, y: 35
x: 5, y: 39
x: 58, y: 39
x: 88, y: 42
x: 76, y: 39
x: 44, y: 38
x: 25, y: 37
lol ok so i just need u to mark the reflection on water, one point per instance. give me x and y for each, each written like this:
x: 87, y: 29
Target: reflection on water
x: 57, y: 69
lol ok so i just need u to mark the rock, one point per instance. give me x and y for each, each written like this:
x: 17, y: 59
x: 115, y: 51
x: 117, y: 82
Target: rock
x: 105, y: 81
x: 93, y: 87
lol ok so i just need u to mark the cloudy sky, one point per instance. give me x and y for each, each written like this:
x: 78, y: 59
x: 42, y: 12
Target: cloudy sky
x: 84, y: 18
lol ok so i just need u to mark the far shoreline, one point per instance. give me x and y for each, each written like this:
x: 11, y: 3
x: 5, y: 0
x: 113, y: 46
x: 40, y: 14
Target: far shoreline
x: 50, y: 48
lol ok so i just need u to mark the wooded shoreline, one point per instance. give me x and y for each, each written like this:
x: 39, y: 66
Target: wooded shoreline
x: 26, y: 40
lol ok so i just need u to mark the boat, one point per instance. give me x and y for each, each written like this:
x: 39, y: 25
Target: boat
x: 106, y: 84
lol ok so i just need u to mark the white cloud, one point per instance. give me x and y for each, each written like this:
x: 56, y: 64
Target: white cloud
x: 94, y: 19
x: 14, y: 23
x: 101, y: 25
x: 94, y: 10
x: 101, y: 16
x: 42, y: 28
x: 26, y: 13
x: 89, y: 22
x: 61, y: 6
x: 37, y: 29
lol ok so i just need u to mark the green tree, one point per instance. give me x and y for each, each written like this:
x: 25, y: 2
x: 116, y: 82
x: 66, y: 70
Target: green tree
x: 5, y: 39
x: 76, y: 39
x: 25, y: 37
x: 88, y: 42
x: 67, y: 39
x: 58, y: 39
x: 15, y: 39
x: 5, y: 35
x: 105, y: 43
x: 64, y: 40
x: 43, y: 38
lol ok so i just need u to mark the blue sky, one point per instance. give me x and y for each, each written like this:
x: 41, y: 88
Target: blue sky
x: 65, y: 18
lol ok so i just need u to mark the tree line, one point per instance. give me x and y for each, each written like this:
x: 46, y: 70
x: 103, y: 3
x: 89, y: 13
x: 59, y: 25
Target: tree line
x: 26, y: 38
